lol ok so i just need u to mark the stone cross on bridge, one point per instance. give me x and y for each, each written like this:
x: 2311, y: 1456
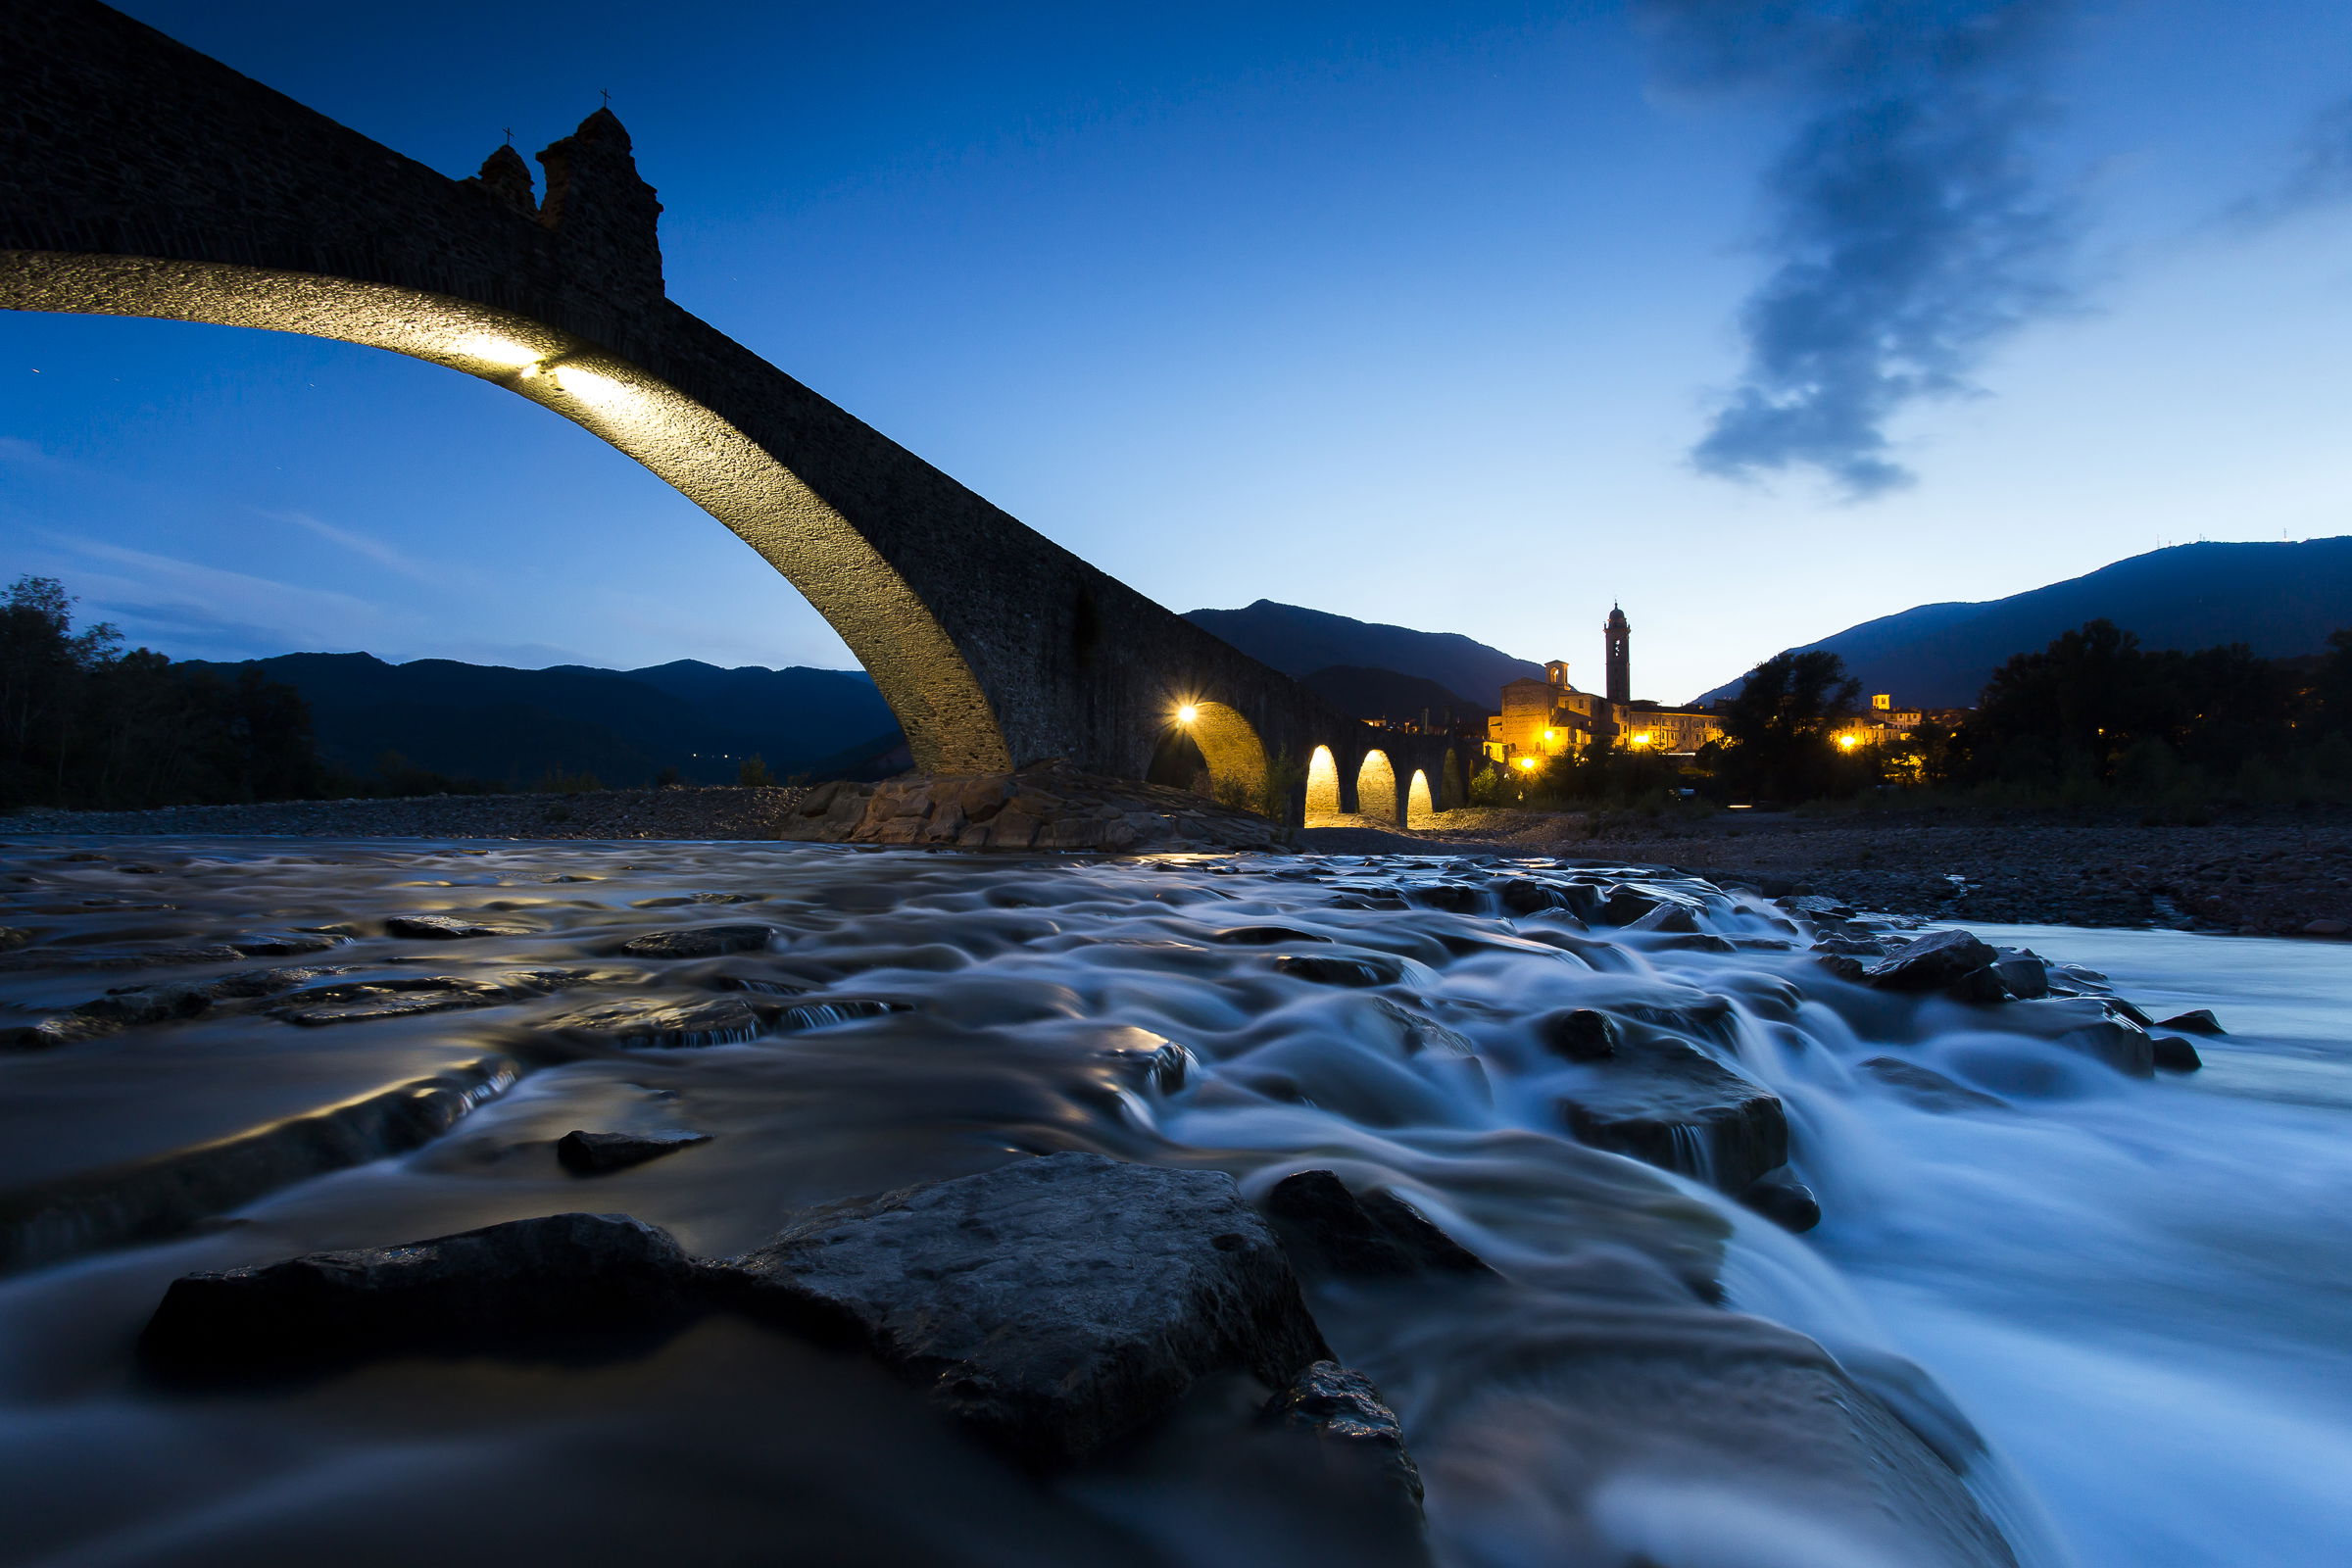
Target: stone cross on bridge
x: 139, y: 177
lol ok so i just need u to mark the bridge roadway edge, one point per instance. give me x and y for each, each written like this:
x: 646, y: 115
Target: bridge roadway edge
x: 138, y: 176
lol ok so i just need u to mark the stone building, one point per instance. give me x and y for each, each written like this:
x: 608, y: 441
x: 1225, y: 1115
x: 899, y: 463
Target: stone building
x: 1550, y: 717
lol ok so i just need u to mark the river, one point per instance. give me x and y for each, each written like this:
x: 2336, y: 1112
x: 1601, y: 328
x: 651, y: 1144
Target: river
x: 2118, y: 1307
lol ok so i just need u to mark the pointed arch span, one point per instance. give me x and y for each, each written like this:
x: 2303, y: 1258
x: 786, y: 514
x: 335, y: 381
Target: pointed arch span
x: 1322, y: 784
x: 1231, y: 746
x: 1376, y: 794
x: 950, y: 723
x: 1419, y: 810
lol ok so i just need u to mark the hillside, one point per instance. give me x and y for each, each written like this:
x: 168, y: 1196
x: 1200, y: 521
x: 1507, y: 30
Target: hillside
x: 1301, y: 642
x: 511, y: 726
x: 2279, y: 599
x: 1374, y: 695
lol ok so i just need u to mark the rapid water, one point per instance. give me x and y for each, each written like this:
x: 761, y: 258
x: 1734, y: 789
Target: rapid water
x: 2119, y: 1307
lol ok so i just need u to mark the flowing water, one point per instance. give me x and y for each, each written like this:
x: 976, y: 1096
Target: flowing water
x: 2118, y: 1306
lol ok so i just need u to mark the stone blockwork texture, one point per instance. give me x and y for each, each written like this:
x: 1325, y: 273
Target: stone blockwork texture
x: 137, y: 175
x: 1043, y: 807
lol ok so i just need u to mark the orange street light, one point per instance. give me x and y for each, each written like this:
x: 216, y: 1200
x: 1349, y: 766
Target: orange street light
x: 1187, y: 713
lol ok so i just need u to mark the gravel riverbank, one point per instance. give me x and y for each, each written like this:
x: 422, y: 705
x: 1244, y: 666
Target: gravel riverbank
x: 2284, y: 873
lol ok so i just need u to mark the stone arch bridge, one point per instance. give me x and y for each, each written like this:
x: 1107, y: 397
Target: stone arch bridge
x: 139, y: 177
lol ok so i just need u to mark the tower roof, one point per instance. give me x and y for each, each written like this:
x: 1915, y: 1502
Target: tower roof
x: 1616, y: 620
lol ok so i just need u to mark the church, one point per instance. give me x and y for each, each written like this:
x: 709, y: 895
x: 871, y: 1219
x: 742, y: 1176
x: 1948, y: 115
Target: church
x: 1549, y: 718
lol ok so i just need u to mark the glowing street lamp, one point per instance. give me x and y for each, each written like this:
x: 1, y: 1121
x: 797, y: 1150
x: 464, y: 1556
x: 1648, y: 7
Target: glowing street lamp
x: 1849, y: 740
x: 1527, y: 765
x: 1187, y: 713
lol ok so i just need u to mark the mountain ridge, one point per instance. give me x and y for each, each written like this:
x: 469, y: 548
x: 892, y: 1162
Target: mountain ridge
x: 2280, y: 599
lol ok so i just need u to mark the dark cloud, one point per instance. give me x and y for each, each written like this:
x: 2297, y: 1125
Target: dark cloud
x: 1908, y: 230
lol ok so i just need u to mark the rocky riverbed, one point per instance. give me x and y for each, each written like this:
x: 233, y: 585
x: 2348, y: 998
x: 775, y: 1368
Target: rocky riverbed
x: 1198, y: 1209
x: 2276, y: 874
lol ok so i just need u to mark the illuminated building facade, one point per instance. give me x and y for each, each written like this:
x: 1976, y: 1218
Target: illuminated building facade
x: 1550, y: 717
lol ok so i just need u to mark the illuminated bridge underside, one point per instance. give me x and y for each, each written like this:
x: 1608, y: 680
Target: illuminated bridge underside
x: 138, y: 178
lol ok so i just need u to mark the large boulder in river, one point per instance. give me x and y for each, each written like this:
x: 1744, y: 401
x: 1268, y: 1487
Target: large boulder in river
x: 1938, y: 962
x: 1054, y: 1305
x: 562, y: 1281
x: 1671, y: 1105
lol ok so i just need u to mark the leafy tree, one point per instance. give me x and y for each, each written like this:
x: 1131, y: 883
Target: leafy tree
x: 1777, y: 731
x: 84, y: 723
x: 754, y: 773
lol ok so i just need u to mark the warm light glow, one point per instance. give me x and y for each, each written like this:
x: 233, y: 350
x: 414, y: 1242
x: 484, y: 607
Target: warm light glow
x: 597, y: 391
x: 1643, y: 739
x: 1187, y: 713
x: 1550, y: 735
x: 493, y: 350
x: 1527, y: 763
x: 1849, y: 741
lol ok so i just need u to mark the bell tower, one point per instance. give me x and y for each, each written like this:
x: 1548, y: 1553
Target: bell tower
x: 1617, y: 635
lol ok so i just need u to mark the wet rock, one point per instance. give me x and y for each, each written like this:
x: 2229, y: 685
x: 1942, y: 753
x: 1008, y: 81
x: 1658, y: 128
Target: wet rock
x: 1326, y: 1229
x: 13, y: 936
x: 1625, y: 905
x: 1262, y: 936
x: 1054, y: 1305
x: 2023, y: 973
x: 1338, y: 1406
x: 1673, y: 1105
x: 528, y: 1286
x: 1927, y: 1089
x: 1451, y: 897
x: 283, y: 943
x: 2172, y: 1053
x: 1933, y: 962
x: 1333, y: 969
x: 447, y: 928
x: 2116, y: 1042
x: 2198, y: 1021
x: 586, y: 1153
x: 693, y: 898
x: 1523, y: 896
x: 1579, y: 1034
x: 701, y: 942
x: 2326, y: 928
x: 1844, y: 966
x: 637, y: 1024
x: 401, y: 996
x: 1782, y: 1198
x: 2128, y: 1010
x: 1674, y: 917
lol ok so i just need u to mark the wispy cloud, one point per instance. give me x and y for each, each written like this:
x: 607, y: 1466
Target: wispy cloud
x: 166, y: 597
x: 369, y: 547
x: 1908, y: 229
x: 2321, y: 175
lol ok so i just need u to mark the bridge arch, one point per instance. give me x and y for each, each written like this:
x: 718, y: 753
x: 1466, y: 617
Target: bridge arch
x: 1231, y: 747
x: 950, y: 723
x: 1419, y: 806
x: 1322, y: 784
x: 1376, y: 792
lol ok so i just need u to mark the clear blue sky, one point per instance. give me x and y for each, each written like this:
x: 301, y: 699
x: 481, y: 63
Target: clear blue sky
x: 1761, y: 319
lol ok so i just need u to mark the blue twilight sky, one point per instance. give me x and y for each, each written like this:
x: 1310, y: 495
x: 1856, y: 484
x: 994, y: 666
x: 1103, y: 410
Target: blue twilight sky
x: 1761, y: 317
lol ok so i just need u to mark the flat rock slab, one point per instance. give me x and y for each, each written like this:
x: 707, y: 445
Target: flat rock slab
x: 586, y: 1153
x: 1054, y: 1305
x: 531, y: 1284
x: 700, y: 941
x: 666, y: 1025
x: 447, y: 928
x: 1934, y: 963
x: 137, y: 1139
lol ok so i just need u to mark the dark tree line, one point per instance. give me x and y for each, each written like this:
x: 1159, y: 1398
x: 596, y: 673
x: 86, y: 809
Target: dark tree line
x: 85, y: 722
x: 2093, y: 713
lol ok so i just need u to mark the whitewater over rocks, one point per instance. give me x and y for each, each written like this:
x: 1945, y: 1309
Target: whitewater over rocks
x: 628, y: 1200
